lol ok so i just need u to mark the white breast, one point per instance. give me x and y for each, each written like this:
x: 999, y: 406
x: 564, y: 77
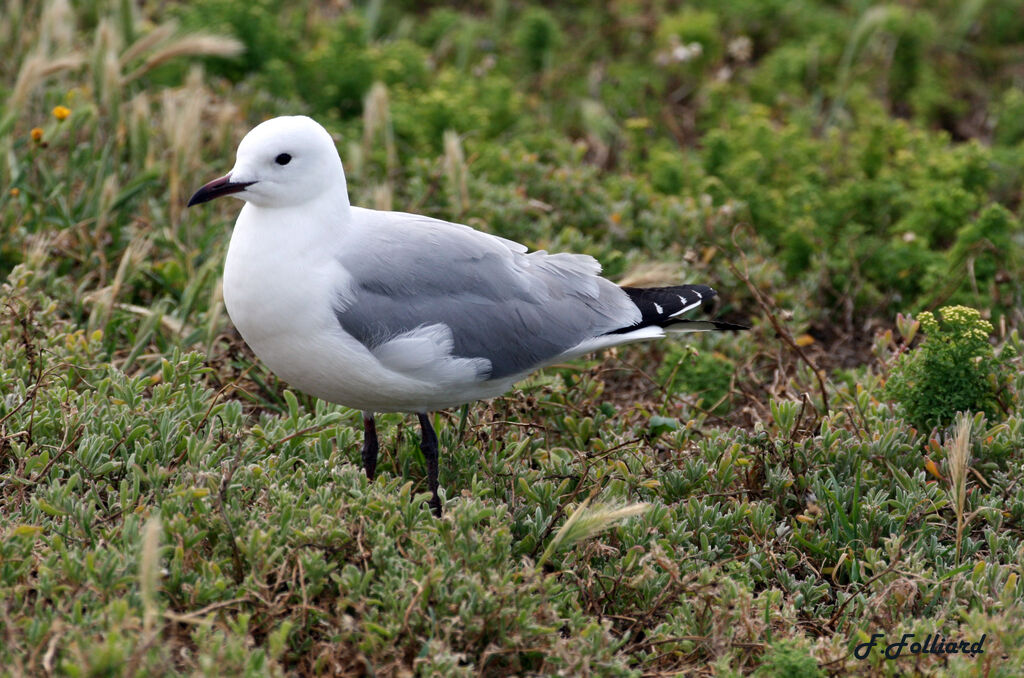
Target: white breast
x: 280, y: 288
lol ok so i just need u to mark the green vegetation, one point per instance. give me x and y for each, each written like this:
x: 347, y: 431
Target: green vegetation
x: 954, y: 370
x: 167, y: 506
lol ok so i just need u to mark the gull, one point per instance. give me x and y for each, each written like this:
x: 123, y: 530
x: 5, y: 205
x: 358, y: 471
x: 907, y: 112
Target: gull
x: 393, y: 312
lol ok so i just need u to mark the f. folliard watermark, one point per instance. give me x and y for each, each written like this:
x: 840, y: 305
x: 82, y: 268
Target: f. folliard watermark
x: 933, y: 643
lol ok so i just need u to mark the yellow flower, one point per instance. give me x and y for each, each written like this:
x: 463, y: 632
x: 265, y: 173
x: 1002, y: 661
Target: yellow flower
x: 804, y: 340
x: 15, y: 192
x: 61, y: 112
x: 37, y: 133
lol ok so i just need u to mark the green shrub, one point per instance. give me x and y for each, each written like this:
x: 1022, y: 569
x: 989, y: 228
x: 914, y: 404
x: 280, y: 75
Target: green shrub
x: 1010, y: 117
x: 336, y: 73
x: 439, y: 25
x: 954, y: 369
x: 791, y: 70
x: 483, y: 108
x: 985, y: 257
x: 912, y: 33
x: 786, y: 659
x: 707, y: 376
x: 669, y: 170
x: 537, y: 36
x: 1001, y: 22
x: 400, y: 62
x: 262, y: 25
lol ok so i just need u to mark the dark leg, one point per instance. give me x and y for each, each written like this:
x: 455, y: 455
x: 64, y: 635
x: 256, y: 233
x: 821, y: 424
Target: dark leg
x: 428, y: 444
x: 370, y: 445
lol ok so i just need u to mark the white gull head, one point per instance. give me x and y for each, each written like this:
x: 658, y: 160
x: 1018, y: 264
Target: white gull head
x: 283, y: 162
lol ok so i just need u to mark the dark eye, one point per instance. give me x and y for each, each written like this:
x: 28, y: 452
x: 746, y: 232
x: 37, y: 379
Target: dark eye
x: 283, y: 159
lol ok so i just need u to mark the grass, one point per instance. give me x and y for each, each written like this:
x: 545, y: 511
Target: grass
x: 733, y: 505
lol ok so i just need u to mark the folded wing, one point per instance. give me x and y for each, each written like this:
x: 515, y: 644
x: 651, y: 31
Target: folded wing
x: 421, y: 289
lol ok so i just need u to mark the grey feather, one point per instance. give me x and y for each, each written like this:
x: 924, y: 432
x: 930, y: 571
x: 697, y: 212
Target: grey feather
x: 515, y: 309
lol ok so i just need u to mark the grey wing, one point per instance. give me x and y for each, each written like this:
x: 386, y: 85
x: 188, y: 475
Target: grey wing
x: 420, y: 288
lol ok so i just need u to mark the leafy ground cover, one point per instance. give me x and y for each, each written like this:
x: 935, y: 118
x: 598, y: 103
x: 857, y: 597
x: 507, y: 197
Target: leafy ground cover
x: 846, y: 174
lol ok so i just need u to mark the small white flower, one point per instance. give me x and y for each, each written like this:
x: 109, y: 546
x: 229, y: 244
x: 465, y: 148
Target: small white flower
x: 684, y: 53
x: 740, y: 48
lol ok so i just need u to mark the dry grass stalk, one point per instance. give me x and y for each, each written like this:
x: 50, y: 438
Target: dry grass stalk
x: 376, y: 111
x: 148, y: 42
x: 377, y: 119
x: 56, y: 27
x: 455, y: 168
x: 382, y: 196
x: 107, y: 196
x: 653, y: 274
x: 959, y: 457
x: 200, y: 44
x: 182, y: 113
x: 105, y: 64
x: 149, y: 571
x: 36, y: 69
x: 225, y: 119
x: 10, y: 20
x: 39, y: 250
x: 105, y: 297
x: 586, y: 522
x: 170, y: 323
x: 140, y: 120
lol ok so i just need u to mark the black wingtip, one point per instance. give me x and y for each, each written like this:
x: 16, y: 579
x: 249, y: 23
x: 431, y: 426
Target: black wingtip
x: 729, y: 327
x: 665, y: 306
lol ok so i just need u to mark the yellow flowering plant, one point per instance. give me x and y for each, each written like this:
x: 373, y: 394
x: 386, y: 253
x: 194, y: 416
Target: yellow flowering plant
x: 955, y: 368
